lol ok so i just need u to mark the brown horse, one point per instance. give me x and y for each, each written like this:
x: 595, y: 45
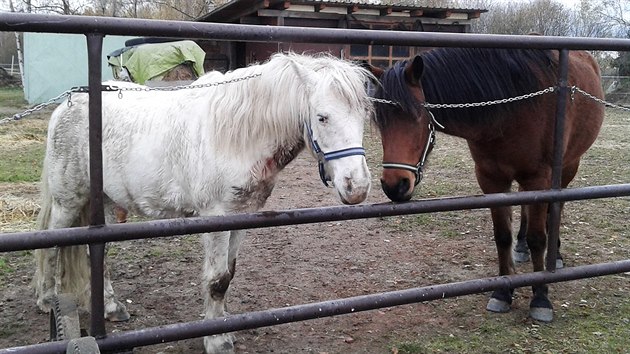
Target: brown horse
x: 508, y: 142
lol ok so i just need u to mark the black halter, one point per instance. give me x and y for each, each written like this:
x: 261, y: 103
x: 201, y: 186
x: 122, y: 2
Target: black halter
x: 323, y: 157
x: 418, y: 169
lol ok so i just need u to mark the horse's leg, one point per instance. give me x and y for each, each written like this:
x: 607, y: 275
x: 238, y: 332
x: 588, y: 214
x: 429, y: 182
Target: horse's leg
x: 540, y: 307
x: 215, y: 283
x: 490, y: 182
x: 568, y: 173
x: 236, y: 237
x: 115, y: 310
x: 521, y: 251
x: 46, y: 265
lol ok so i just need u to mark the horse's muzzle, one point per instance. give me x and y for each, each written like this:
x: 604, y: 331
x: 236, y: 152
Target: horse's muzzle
x: 400, y: 192
x: 354, y: 194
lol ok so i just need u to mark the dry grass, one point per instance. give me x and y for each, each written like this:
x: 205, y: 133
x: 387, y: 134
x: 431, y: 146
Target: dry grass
x: 18, y: 206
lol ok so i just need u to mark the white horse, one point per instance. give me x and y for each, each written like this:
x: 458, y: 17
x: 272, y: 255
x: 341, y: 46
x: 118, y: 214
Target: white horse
x: 211, y: 150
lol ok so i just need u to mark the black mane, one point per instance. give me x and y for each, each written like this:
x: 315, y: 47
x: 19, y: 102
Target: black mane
x: 467, y: 75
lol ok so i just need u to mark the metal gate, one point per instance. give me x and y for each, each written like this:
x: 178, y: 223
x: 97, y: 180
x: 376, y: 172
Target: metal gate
x: 96, y: 235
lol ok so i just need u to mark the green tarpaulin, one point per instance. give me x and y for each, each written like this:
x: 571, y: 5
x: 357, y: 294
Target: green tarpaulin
x: 152, y: 61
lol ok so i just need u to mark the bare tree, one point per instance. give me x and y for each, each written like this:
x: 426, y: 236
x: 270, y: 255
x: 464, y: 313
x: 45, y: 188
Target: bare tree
x: 18, y: 44
x: 588, y: 21
x: 64, y: 7
x: 618, y: 11
x: 547, y: 17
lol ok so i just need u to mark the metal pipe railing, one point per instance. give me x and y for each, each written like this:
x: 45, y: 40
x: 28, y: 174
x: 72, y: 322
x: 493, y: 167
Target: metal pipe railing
x: 238, y: 322
x: 194, y: 225
x: 20, y: 22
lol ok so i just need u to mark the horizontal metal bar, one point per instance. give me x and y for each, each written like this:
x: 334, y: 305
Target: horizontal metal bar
x: 195, y: 225
x: 239, y: 322
x: 20, y: 22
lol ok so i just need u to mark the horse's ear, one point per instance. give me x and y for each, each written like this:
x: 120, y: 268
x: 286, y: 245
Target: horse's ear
x: 307, y: 75
x: 376, y: 71
x: 413, y: 71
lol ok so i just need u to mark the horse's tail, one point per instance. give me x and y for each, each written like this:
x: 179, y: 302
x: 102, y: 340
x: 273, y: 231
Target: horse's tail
x: 71, y: 263
x: 42, y: 269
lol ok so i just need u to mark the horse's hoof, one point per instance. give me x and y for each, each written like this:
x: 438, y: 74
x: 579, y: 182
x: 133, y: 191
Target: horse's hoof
x: 119, y: 316
x: 496, y: 305
x: 559, y: 263
x: 541, y: 314
x: 520, y: 257
x: 45, y: 302
x: 118, y: 313
x: 219, y: 344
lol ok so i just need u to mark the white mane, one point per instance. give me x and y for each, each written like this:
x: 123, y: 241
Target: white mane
x: 276, y: 102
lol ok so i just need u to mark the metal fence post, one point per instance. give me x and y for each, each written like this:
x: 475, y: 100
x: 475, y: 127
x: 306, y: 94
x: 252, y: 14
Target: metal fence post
x: 97, y: 215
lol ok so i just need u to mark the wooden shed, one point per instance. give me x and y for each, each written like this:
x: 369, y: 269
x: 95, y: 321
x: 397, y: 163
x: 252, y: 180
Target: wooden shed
x: 355, y: 14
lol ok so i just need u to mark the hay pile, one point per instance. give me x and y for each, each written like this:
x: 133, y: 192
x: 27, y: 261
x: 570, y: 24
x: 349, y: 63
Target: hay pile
x: 19, y: 205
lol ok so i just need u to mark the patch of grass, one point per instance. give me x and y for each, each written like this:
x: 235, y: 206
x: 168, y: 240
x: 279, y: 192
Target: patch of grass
x: 581, y: 329
x: 12, y: 97
x: 23, y: 164
x: 23, y: 141
x: 4, y: 268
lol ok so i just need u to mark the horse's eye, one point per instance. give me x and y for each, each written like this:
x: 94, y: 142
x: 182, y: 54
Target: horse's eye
x: 322, y: 118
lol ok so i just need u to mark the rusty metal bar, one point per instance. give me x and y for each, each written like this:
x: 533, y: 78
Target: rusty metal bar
x: 182, y: 226
x: 20, y: 22
x: 555, y: 207
x: 97, y: 215
x: 181, y: 331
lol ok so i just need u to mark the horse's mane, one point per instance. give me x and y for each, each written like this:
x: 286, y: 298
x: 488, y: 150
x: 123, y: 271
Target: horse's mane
x: 275, y: 105
x: 467, y: 75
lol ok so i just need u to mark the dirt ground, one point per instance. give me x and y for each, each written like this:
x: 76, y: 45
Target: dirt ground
x: 158, y: 279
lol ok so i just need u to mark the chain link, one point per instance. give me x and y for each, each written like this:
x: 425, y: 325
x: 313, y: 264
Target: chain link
x: 490, y: 103
x: 550, y: 89
x: 36, y: 108
x: 120, y: 89
x: 596, y: 99
x: 178, y: 87
x: 382, y: 100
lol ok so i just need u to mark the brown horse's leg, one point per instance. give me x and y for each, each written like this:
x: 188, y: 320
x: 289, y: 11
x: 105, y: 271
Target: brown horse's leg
x: 500, y: 300
x: 521, y: 251
x: 540, y: 307
x: 568, y: 173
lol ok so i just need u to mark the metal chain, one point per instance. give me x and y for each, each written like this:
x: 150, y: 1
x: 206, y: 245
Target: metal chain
x: 178, y: 87
x: 382, y: 100
x: 550, y: 89
x: 38, y: 107
x: 474, y: 104
x: 490, y: 103
x: 120, y: 89
x: 596, y: 99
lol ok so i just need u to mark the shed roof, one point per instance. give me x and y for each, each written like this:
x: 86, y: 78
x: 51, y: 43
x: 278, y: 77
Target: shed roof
x: 234, y: 10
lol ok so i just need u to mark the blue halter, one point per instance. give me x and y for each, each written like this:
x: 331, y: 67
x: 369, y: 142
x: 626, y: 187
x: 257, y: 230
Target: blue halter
x: 322, y: 157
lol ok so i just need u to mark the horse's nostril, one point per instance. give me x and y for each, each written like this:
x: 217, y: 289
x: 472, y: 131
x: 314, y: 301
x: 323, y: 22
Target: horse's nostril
x: 348, y: 184
x: 398, y: 193
x: 403, y: 186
